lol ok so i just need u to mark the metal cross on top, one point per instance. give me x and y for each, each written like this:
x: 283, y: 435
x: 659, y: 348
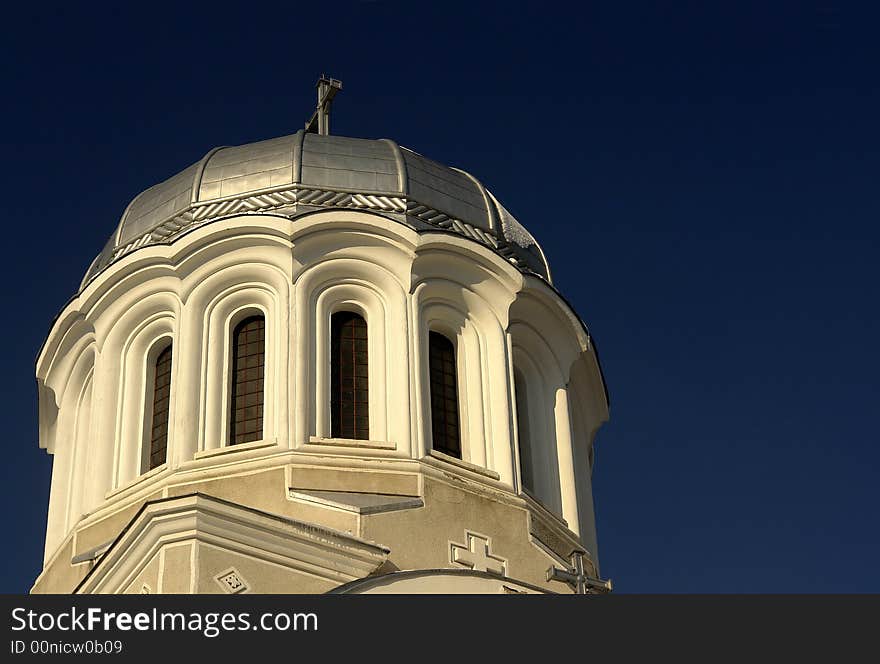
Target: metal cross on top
x: 320, y: 120
x: 577, y: 578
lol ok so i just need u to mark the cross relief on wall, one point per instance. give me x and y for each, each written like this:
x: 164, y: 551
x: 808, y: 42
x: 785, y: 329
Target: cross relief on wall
x: 475, y: 555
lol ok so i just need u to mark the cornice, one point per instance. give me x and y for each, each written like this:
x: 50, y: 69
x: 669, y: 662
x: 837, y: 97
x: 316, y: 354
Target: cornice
x: 306, y: 547
x: 294, y: 200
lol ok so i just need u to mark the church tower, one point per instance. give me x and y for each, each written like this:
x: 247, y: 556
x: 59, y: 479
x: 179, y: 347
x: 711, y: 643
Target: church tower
x: 319, y: 364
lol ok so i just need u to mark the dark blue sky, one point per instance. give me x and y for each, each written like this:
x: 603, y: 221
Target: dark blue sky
x: 702, y: 179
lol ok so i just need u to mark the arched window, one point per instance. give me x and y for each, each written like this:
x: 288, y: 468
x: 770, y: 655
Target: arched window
x: 248, y: 359
x: 349, y: 377
x: 522, y: 427
x: 161, y: 409
x: 444, y: 395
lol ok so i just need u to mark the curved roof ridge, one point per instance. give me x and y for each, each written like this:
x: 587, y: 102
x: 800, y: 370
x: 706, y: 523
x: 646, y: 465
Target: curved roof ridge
x: 200, y: 172
x: 402, y: 175
x: 296, y: 156
x: 491, y: 216
x: 118, y: 233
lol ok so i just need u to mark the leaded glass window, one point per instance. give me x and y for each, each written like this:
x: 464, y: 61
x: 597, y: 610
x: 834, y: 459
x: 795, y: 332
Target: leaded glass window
x: 248, y: 366
x: 161, y: 409
x: 349, y: 377
x: 444, y: 395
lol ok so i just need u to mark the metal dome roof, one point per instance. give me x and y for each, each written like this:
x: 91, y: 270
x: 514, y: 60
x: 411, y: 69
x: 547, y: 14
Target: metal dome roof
x: 304, y: 172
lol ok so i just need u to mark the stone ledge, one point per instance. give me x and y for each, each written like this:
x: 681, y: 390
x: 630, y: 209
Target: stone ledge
x: 232, y: 449
x: 359, y: 503
x: 353, y: 444
x: 354, y: 481
x: 458, y: 463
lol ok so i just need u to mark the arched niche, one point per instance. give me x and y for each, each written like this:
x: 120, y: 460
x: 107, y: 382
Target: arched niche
x: 547, y: 338
x: 134, y: 408
x: 361, y: 286
x: 540, y: 379
x: 355, y: 261
x: 451, y: 308
x: 212, y: 312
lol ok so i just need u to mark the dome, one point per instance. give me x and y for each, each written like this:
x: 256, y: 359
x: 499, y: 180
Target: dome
x: 404, y: 391
x: 296, y: 174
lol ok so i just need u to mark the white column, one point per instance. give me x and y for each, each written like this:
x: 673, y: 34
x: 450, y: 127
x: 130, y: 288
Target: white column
x: 565, y: 458
x: 102, y: 448
x: 183, y: 439
x: 419, y: 380
x: 79, y: 473
x: 56, y: 526
x: 135, y: 394
x: 500, y: 444
x: 302, y: 326
x: 473, y: 389
x: 511, y: 409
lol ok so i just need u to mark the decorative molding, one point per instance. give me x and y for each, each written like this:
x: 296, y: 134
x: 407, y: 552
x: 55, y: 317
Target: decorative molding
x: 232, y: 581
x: 232, y: 449
x: 459, y: 463
x: 352, y: 443
x: 438, y: 581
x: 143, y: 478
x: 296, y: 545
x: 296, y: 195
x: 357, y: 503
x: 91, y: 555
x: 475, y: 554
